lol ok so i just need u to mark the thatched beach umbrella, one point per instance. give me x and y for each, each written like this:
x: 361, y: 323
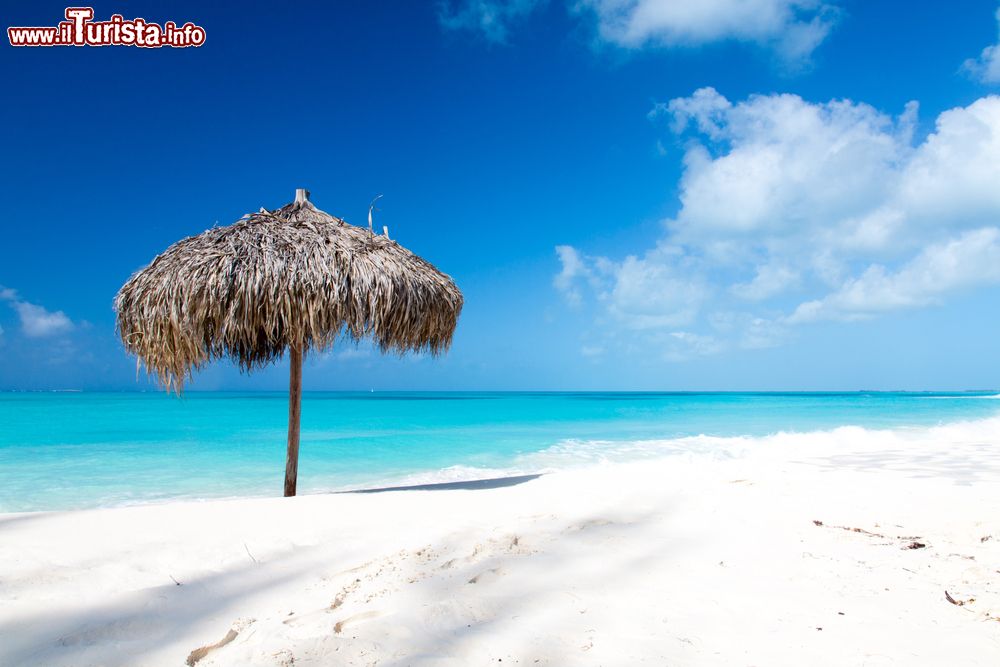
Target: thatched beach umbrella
x: 292, y: 279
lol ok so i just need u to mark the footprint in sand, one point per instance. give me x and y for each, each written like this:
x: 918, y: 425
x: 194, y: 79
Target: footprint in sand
x: 588, y: 524
x: 509, y: 544
x: 355, y: 620
x: 487, y: 576
x: 344, y: 592
x: 239, y: 625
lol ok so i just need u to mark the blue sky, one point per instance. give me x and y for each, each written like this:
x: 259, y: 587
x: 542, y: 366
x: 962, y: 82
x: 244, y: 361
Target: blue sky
x: 634, y: 195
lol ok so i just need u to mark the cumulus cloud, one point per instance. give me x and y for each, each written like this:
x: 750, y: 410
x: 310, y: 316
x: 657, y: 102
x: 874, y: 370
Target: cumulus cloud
x: 793, y: 28
x: 969, y: 260
x: 686, y: 345
x: 638, y: 292
x: 491, y: 18
x: 649, y: 293
x: 36, y: 321
x: 775, y: 170
x: 770, y: 280
x: 573, y: 269
x: 794, y: 211
x: 985, y: 68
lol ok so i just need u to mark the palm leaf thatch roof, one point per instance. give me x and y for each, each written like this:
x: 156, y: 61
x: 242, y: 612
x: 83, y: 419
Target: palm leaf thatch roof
x: 295, y: 277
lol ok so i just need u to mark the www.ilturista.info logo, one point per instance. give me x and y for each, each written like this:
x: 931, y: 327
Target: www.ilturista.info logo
x: 79, y: 29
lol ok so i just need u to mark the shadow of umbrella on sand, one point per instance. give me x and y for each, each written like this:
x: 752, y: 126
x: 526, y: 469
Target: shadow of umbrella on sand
x: 292, y: 279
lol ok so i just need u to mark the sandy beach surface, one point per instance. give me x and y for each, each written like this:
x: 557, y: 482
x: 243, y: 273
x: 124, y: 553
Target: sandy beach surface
x: 835, y: 554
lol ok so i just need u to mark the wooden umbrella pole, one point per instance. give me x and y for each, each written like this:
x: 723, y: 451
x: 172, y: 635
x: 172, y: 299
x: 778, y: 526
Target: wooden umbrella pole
x: 294, y: 415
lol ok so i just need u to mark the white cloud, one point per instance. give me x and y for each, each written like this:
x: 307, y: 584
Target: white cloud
x: 770, y: 280
x: 640, y: 293
x: 36, y: 321
x: 985, y: 68
x: 969, y: 260
x: 573, y: 268
x: 777, y: 168
x: 685, y: 345
x: 491, y: 18
x: 649, y: 293
x: 792, y: 28
x: 353, y: 352
x: 793, y: 211
x: 345, y: 350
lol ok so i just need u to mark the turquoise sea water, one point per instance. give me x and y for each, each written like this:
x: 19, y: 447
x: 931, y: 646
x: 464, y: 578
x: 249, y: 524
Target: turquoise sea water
x: 69, y: 450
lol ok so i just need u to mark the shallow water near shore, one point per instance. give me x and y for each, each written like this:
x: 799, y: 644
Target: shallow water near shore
x: 78, y: 450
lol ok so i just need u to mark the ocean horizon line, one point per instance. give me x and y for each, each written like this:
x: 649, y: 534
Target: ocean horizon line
x: 658, y: 392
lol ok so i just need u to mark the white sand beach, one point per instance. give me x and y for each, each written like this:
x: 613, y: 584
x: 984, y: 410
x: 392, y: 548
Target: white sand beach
x: 699, y: 560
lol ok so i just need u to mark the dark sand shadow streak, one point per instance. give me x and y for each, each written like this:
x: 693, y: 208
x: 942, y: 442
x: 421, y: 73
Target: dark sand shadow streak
x: 471, y: 485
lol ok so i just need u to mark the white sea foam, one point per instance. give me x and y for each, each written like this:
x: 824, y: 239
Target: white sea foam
x: 973, y: 450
